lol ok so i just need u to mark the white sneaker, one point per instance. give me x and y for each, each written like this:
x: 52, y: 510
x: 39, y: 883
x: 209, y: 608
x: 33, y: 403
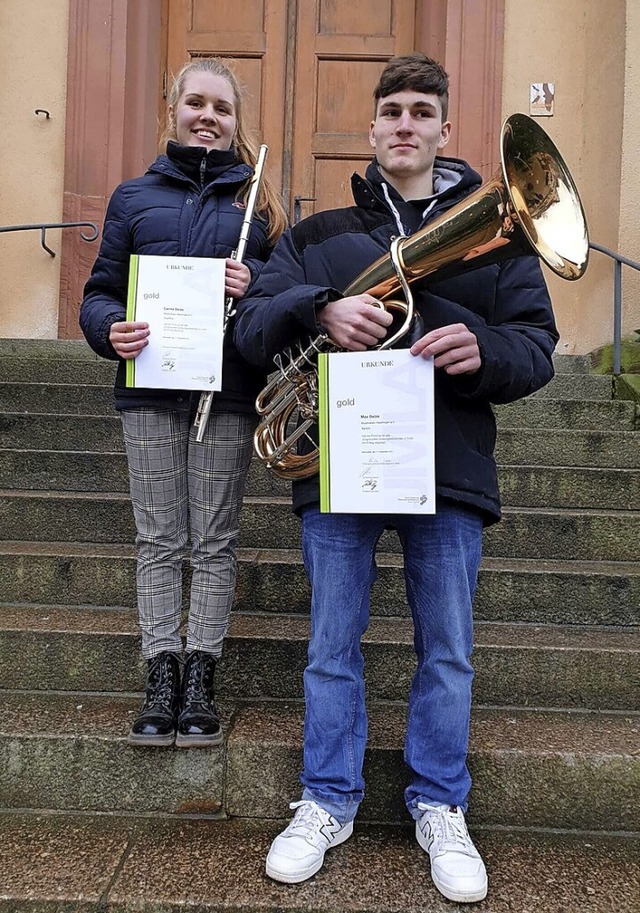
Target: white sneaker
x: 298, y: 852
x: 457, y: 868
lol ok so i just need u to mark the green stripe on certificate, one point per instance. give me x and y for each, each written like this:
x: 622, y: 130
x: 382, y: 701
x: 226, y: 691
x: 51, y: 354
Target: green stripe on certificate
x: 323, y: 425
x: 132, y: 292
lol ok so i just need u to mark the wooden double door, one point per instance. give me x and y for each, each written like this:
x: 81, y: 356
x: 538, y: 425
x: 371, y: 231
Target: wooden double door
x: 309, y: 68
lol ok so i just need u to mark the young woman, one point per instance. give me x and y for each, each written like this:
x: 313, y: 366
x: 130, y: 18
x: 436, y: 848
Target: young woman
x: 190, y: 202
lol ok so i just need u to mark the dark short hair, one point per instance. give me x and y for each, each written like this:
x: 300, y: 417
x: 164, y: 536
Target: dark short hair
x: 417, y: 72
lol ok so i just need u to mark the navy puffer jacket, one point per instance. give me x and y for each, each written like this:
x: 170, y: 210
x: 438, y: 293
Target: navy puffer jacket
x: 507, y: 306
x: 185, y: 205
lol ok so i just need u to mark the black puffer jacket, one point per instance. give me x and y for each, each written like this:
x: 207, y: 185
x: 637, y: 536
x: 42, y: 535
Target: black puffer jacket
x: 185, y: 205
x: 507, y: 306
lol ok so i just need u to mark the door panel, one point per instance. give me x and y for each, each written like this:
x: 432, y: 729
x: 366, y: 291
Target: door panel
x: 209, y: 17
x: 317, y: 125
x: 251, y: 36
x: 339, y: 18
x: 341, y: 50
x: 332, y: 177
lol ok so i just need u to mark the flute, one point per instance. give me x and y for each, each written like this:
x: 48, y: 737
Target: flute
x: 206, y: 397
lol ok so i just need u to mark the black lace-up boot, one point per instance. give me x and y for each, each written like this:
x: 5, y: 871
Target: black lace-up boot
x: 156, y: 722
x: 198, y: 723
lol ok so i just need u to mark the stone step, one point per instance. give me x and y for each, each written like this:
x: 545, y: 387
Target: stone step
x: 562, y: 386
x: 582, y: 535
x: 54, y: 354
x: 49, y: 350
x: 522, y: 486
x: 522, y: 446
x: 65, y: 863
x: 46, y: 397
x: 56, y: 431
x: 577, y: 386
x: 82, y: 649
x: 531, y: 768
x: 570, y: 487
x: 619, y: 415
x: 53, y: 360
x: 58, y: 371
x: 509, y: 590
x: 571, y: 364
x: 549, y: 447
x: 534, y: 412
x: 73, y: 361
x: 42, y: 516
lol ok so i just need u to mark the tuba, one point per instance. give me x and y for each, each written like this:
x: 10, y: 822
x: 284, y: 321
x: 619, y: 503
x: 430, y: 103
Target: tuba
x: 529, y: 206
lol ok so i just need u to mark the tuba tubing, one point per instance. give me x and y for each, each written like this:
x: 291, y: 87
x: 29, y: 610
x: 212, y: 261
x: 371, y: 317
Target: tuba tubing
x: 529, y: 206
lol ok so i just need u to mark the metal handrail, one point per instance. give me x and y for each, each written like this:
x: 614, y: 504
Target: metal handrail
x: 618, y: 260
x: 42, y: 228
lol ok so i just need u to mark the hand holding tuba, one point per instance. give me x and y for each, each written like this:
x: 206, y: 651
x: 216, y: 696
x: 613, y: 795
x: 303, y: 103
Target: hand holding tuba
x: 529, y: 206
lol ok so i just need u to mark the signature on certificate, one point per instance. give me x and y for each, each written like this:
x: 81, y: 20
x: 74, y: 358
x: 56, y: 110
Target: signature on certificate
x: 168, y: 362
x: 369, y: 480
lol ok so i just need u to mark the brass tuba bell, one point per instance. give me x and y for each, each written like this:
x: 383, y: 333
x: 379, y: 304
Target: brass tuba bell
x: 529, y: 206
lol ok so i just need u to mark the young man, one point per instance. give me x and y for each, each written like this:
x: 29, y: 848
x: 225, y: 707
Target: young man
x: 491, y: 334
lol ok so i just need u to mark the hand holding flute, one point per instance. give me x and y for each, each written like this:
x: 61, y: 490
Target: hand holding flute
x: 237, y: 277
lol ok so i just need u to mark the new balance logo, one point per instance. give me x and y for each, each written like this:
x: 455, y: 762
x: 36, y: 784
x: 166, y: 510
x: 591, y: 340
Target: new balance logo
x: 330, y: 830
x: 428, y: 834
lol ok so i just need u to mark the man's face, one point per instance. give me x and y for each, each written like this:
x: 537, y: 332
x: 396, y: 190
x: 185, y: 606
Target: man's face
x: 407, y: 133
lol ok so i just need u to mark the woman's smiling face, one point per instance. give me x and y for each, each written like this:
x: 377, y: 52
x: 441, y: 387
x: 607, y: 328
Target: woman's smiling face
x: 206, y: 112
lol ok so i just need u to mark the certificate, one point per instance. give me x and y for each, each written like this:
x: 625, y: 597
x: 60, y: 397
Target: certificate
x: 377, y: 450
x: 182, y: 300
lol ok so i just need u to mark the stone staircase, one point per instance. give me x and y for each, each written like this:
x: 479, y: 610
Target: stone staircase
x: 88, y: 823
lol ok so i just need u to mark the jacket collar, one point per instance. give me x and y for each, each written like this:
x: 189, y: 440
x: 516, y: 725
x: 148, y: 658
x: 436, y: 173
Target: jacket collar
x: 454, y: 179
x: 188, y: 163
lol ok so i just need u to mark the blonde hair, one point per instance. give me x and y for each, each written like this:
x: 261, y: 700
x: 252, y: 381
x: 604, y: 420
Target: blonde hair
x: 269, y: 202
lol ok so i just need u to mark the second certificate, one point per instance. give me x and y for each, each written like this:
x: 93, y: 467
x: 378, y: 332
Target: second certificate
x: 376, y: 433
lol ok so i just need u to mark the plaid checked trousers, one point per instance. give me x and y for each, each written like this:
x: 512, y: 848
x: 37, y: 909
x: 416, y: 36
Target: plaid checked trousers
x: 179, y: 489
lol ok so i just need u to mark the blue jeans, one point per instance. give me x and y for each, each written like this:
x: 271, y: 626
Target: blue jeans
x: 441, y: 559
